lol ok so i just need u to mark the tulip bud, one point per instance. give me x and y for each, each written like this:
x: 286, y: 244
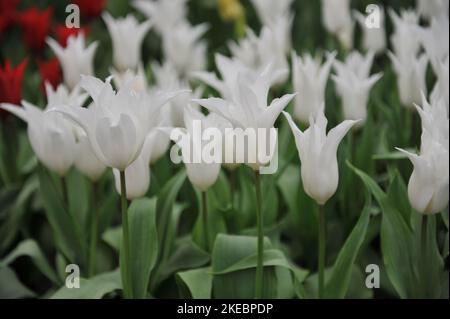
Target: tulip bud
x: 374, y: 39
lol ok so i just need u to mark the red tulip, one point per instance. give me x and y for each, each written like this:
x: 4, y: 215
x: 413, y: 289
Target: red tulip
x: 90, y: 8
x: 35, y: 27
x: 50, y: 72
x: 63, y: 33
x: 11, y: 83
x: 7, y: 13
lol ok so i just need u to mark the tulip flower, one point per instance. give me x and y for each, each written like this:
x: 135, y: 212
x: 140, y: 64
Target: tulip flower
x: 50, y: 72
x: 11, y: 82
x: 405, y: 40
x: 166, y: 15
x: 127, y: 36
x: 435, y: 38
x: 248, y: 110
x: 7, y: 13
x: 35, y: 26
x: 353, y: 84
x: 309, y: 78
x: 50, y: 134
x: 319, y: 169
x: 269, y: 11
x: 269, y: 48
x: 441, y: 88
x: 75, y: 58
x: 432, y: 8
x: 428, y: 186
x: 184, y: 49
x: 337, y: 20
x: 410, y: 77
x: 63, y: 33
x: 89, y: 8
x: 201, y: 174
x: 374, y: 39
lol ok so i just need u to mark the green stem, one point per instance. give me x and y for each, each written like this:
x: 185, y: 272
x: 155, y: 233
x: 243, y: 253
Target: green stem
x: 259, y: 219
x: 321, y: 256
x: 94, y: 227
x: 423, y: 260
x: 205, y: 220
x: 126, y: 282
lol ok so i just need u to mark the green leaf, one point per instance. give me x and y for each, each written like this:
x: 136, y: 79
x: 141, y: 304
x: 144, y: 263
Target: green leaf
x: 397, y: 241
x: 93, y: 288
x: 11, y: 287
x: 143, y: 243
x: 29, y: 248
x: 338, y: 283
x: 195, y: 283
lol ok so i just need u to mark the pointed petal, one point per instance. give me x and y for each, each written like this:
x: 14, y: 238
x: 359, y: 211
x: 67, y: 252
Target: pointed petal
x: 269, y: 116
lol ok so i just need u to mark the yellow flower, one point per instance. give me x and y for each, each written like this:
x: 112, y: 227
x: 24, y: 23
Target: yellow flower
x: 230, y: 10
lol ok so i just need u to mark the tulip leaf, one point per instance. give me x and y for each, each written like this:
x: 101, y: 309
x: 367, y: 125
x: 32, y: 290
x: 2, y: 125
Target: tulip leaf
x: 143, y: 244
x: 30, y: 248
x: 397, y: 241
x: 11, y: 287
x: 339, y: 280
x: 93, y: 288
x: 61, y: 222
x: 195, y: 283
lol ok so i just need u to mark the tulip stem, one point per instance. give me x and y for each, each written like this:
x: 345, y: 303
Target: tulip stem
x: 126, y: 280
x: 260, y: 230
x: 321, y: 256
x: 205, y: 220
x: 423, y: 258
x: 94, y: 226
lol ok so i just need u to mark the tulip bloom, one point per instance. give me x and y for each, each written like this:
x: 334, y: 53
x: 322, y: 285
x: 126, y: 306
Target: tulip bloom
x: 354, y: 83
x: 35, y: 26
x: 432, y: 8
x: 127, y: 36
x: 63, y: 33
x: 337, y: 20
x: 117, y: 122
x: 434, y: 38
x: 166, y: 15
x: 268, y: 10
x: 7, y: 13
x: 89, y: 8
x: 441, y: 88
x: 428, y: 185
x: 184, y: 49
x: 405, y: 39
x: 317, y: 151
x: 75, y: 58
x: 309, y: 78
x: 374, y: 39
x: 410, y: 77
x: 50, y: 72
x: 11, y: 82
x: 50, y: 134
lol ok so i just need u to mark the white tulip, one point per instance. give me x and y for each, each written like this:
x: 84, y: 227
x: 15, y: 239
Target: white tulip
x: 248, y: 107
x: 269, y: 48
x: 167, y: 79
x: 410, y: 77
x: 432, y: 8
x: 428, y: 186
x: 184, y: 49
x: 117, y: 122
x: 127, y: 36
x: 435, y: 38
x: 405, y: 40
x: 166, y: 15
x: 269, y: 11
x: 85, y: 159
x: 353, y: 84
x: 337, y: 20
x: 51, y: 135
x: 317, y: 151
x: 441, y: 88
x: 309, y: 77
x: 137, y: 175
x: 76, y: 59
x: 374, y: 39
x: 201, y: 174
